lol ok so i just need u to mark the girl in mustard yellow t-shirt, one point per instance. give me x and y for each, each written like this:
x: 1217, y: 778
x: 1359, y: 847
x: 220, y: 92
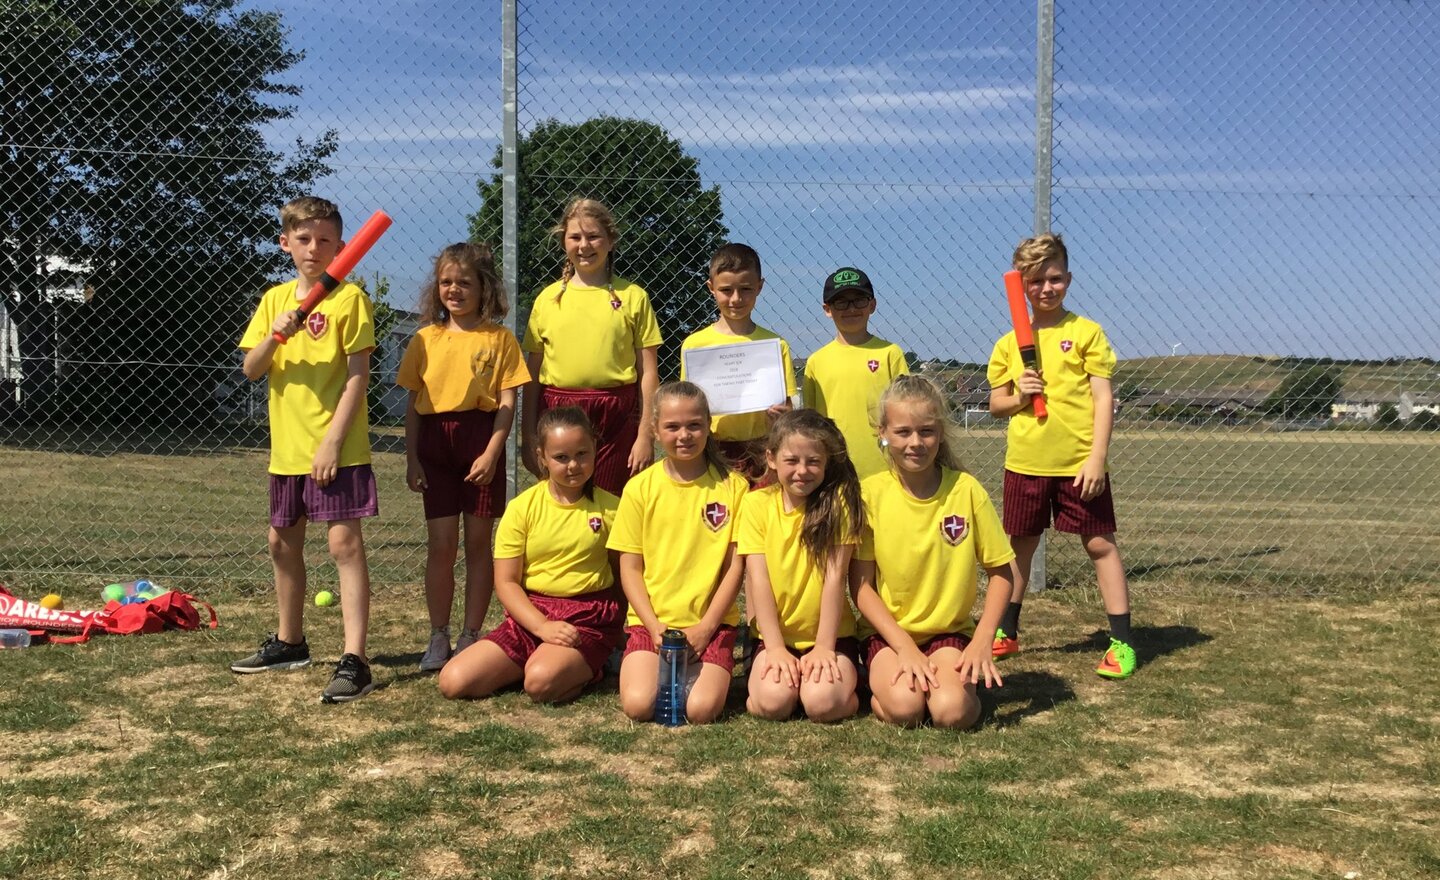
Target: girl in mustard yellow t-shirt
x: 675, y: 532
x: 930, y: 524
x: 461, y: 369
x: 797, y: 537
x: 563, y: 611
x: 591, y: 342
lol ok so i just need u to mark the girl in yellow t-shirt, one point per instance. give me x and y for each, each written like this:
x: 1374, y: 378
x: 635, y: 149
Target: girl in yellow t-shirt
x: 797, y: 537
x: 930, y: 524
x: 675, y: 532
x: 563, y: 612
x: 591, y: 342
x: 461, y: 369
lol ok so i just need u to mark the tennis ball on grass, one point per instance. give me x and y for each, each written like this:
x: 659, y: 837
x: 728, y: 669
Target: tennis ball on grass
x: 324, y: 599
x: 52, y: 601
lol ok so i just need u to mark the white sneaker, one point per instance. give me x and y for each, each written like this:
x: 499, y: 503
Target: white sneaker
x: 467, y: 638
x: 438, y: 654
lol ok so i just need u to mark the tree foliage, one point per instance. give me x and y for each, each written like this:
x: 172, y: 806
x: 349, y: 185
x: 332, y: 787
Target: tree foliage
x: 1306, y: 393
x: 134, y: 150
x: 669, y: 224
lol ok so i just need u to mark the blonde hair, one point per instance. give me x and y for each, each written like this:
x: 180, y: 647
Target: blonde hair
x: 836, y: 501
x: 1034, y: 253
x: 912, y: 388
x: 691, y: 391
x: 470, y: 257
x: 306, y: 208
x: 593, y: 210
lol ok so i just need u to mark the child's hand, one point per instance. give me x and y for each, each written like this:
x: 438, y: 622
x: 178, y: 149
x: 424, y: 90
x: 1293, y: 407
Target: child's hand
x: 922, y: 672
x: 558, y: 632
x: 1091, y: 479
x: 1030, y: 383
x: 642, y: 454
x: 531, y: 463
x: 287, y: 324
x: 781, y: 666
x: 657, y: 636
x: 975, y: 661
x: 482, y: 471
x: 778, y: 409
x: 698, y: 636
x: 820, y: 665
x: 326, y: 463
x: 415, y: 476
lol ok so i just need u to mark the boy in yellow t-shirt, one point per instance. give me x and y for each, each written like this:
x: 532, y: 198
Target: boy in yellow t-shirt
x: 844, y: 378
x: 319, y: 442
x: 736, y: 282
x: 1059, y: 463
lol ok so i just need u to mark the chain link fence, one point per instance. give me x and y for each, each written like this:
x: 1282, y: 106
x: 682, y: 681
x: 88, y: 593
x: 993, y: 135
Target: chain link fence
x: 1244, y: 192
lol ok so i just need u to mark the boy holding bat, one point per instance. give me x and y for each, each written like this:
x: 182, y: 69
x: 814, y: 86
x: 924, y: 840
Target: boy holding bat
x: 1055, y: 462
x: 319, y: 441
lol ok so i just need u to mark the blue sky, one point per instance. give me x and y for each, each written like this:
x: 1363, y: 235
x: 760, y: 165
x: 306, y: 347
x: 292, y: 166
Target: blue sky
x: 1228, y: 179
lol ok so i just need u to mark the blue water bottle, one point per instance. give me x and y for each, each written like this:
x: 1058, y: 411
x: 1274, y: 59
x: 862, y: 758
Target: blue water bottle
x: 672, y: 686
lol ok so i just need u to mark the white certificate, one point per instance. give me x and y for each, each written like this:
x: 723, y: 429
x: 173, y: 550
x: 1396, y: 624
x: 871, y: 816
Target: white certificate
x: 742, y: 377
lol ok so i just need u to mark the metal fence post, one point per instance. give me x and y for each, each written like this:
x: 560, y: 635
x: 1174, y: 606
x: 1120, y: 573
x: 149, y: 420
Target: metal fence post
x: 1044, y: 162
x: 510, y: 202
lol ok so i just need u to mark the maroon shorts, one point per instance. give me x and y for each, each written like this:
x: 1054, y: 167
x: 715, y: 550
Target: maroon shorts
x: 1030, y: 502
x: 448, y: 445
x: 351, y: 495
x: 615, y: 414
x: 747, y: 458
x: 599, y: 617
x: 720, y: 651
x: 845, y: 646
x: 875, y: 644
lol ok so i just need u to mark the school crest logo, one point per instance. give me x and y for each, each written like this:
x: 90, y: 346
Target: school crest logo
x: 595, y: 524
x: 316, y: 325
x: 874, y: 365
x: 615, y: 305
x: 953, y: 528
x: 715, y: 514
x: 1066, y: 345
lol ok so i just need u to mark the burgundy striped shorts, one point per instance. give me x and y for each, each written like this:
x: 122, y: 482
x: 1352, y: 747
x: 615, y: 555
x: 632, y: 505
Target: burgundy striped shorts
x: 875, y: 644
x: 1031, y: 501
x: 720, y: 651
x: 351, y: 495
x: 448, y: 445
x: 599, y: 617
x: 615, y: 413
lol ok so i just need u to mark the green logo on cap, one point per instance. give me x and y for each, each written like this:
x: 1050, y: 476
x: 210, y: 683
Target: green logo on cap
x: 845, y: 276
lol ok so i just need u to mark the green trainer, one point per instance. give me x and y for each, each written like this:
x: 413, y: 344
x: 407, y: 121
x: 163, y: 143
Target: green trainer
x: 1119, y: 661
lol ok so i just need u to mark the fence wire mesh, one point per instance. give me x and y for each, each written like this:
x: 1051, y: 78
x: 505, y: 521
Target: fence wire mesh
x: 1245, y: 193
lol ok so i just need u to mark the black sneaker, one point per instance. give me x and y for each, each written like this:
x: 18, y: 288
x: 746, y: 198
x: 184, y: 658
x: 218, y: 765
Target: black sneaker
x: 351, y: 681
x: 274, y: 654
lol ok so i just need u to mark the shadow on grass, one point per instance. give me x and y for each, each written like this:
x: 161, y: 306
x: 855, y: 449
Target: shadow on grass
x: 1025, y: 694
x: 1149, y: 642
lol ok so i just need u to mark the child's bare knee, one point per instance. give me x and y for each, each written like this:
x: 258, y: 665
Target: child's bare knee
x: 957, y: 711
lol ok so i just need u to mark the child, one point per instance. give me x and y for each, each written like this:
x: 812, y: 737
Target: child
x: 1059, y: 463
x: 843, y: 380
x: 675, y: 532
x: 930, y: 523
x: 797, y: 537
x: 461, y: 370
x: 563, y: 611
x: 592, y: 341
x: 735, y: 282
x: 319, y: 442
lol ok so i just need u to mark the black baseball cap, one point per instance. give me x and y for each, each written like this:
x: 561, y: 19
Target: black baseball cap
x: 845, y: 280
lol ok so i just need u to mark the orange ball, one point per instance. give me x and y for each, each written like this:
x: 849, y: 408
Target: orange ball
x: 52, y: 601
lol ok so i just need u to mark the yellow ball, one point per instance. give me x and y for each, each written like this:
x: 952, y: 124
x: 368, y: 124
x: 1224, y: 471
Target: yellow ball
x: 52, y: 601
x: 324, y: 599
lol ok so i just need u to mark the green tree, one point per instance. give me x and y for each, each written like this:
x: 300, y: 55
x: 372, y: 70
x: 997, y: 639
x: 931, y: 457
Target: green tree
x: 669, y: 223
x: 1387, y: 416
x: 1306, y: 393
x: 134, y: 149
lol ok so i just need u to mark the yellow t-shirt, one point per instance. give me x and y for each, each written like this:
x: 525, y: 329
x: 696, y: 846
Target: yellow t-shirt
x: 563, y: 546
x: 844, y: 382
x: 766, y: 529
x: 740, y: 426
x: 926, y: 552
x: 683, y: 530
x: 587, y: 341
x: 1069, y: 354
x: 308, y: 374
x: 461, y: 370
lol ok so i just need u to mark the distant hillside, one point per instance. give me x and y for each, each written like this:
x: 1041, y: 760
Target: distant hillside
x: 1232, y: 372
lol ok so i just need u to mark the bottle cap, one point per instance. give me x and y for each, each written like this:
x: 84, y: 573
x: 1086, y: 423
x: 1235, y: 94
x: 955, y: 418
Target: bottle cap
x: 673, y: 638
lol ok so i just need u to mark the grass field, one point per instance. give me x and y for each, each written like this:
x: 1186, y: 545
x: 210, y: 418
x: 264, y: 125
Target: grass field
x: 1308, y: 513
x: 1277, y: 738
